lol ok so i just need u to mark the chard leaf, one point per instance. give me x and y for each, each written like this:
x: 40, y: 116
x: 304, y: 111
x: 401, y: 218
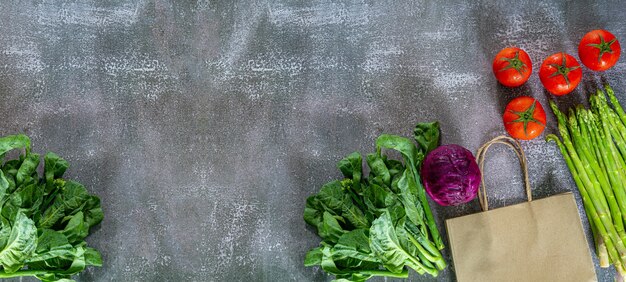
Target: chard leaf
x: 378, y: 168
x: 328, y: 265
x: 313, y: 257
x: 395, y: 167
x: 74, y: 195
x: 427, y: 136
x: 403, y: 145
x: 52, y: 214
x: 78, y: 264
x: 386, y: 246
x: 92, y: 257
x: 12, y: 142
x: 354, y: 244
x: 4, y: 185
x: 313, y: 212
x: 28, y: 167
x: 412, y: 159
x: 410, y: 199
x: 28, y: 198
x: 93, y: 212
x: 330, y: 230
x: 334, y: 196
x: 53, y: 250
x: 352, y: 167
x: 54, y: 167
x: 76, y: 230
x: 378, y: 197
x: 21, y: 244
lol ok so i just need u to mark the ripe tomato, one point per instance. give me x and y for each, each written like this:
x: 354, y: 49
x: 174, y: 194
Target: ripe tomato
x: 512, y: 66
x: 524, y: 118
x: 560, y: 73
x: 599, y: 50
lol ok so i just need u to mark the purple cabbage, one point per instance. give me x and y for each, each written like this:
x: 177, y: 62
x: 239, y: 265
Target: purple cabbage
x: 451, y: 175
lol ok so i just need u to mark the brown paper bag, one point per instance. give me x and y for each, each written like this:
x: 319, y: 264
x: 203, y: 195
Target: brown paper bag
x: 539, y: 240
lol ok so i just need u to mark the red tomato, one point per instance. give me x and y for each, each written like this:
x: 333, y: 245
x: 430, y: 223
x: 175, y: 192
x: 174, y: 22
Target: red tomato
x: 560, y: 73
x: 524, y: 118
x: 599, y: 50
x: 512, y: 66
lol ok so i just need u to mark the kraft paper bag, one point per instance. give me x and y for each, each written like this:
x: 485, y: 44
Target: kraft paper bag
x: 540, y: 240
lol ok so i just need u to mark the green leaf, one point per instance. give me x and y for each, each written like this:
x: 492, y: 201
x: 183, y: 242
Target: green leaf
x: 54, y: 167
x: 93, y: 212
x: 50, y: 239
x: 379, y: 196
x: 92, y: 257
x: 313, y: 212
x: 52, y: 214
x: 330, y: 230
x: 12, y: 142
x: 427, y: 136
x: 53, y: 251
x: 28, y: 167
x: 313, y: 257
x: 21, y: 244
x: 4, y: 185
x: 386, y: 246
x: 28, y: 198
x: 395, y: 167
x: 352, y: 167
x: 334, y: 196
x: 354, y: 244
x: 328, y: 265
x: 74, y: 195
x: 378, y: 168
x: 412, y: 159
x: 403, y: 145
x: 78, y: 264
x: 410, y: 199
x: 76, y: 230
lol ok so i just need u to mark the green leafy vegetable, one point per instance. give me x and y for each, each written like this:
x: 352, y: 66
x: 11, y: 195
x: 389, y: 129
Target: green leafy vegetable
x: 43, y: 220
x: 376, y: 225
x: 427, y: 136
x: 20, y: 245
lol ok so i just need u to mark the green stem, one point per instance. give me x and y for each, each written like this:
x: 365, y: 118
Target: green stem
x: 435, y: 258
x: 595, y: 174
x: 612, y: 159
x: 597, y: 197
x: 21, y: 273
x: 616, y: 104
x: 403, y: 274
x: 587, y: 150
x: 587, y: 202
x: 430, y: 220
x: 587, y: 156
x: 618, y: 132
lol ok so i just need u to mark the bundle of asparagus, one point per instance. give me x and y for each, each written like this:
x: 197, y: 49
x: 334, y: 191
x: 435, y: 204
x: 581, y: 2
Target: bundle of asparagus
x: 594, y: 148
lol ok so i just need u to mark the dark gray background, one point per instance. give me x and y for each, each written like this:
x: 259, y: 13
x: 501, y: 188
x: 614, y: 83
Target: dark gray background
x: 204, y: 125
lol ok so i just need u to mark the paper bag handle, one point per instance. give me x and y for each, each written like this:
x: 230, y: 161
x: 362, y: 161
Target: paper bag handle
x: 480, y: 156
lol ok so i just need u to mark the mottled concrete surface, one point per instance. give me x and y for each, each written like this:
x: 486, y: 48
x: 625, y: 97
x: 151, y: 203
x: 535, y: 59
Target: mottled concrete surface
x: 204, y: 125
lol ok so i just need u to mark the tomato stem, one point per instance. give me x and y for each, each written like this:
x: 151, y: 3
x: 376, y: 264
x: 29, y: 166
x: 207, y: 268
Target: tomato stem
x: 526, y: 117
x: 562, y: 69
x: 604, y: 47
x: 514, y: 63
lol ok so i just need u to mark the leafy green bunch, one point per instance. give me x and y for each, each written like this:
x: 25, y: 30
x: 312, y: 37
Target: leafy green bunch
x: 43, y: 220
x: 377, y: 225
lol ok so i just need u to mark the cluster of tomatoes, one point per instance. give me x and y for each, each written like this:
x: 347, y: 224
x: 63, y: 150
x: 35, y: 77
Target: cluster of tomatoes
x: 560, y: 73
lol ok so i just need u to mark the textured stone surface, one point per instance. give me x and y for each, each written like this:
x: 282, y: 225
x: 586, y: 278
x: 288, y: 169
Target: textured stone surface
x: 204, y: 125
